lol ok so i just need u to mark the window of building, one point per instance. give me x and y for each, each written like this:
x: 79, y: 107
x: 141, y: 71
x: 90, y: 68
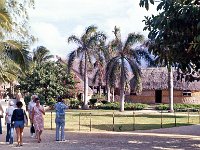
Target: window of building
x: 187, y: 93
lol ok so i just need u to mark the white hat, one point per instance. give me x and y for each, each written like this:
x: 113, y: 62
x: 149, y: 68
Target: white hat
x: 11, y: 103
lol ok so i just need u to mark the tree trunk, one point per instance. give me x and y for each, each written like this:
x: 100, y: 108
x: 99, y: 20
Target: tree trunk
x: 113, y: 95
x: 99, y: 91
x: 108, y: 93
x: 85, y: 106
x: 171, y: 87
x: 122, y: 82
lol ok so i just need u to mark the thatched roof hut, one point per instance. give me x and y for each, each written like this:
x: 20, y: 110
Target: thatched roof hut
x: 157, y: 79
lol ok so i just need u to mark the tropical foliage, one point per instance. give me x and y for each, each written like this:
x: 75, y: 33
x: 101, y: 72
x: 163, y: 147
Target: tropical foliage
x: 126, y: 60
x: 85, y: 52
x: 175, y: 33
x: 49, y: 80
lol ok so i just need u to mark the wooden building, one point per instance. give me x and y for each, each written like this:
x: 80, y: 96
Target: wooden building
x: 155, y: 88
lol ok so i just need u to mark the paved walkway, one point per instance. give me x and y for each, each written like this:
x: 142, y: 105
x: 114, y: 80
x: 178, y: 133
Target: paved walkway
x: 177, y: 138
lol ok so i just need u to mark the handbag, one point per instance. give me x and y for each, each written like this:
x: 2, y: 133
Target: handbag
x: 25, y: 119
x: 32, y: 129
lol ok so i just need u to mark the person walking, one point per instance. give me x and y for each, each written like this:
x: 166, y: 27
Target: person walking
x: 9, y: 112
x: 1, y: 116
x: 60, y: 108
x: 31, y: 104
x: 17, y: 120
x: 38, y: 120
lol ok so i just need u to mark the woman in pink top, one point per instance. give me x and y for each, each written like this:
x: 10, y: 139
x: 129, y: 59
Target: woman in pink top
x: 38, y: 121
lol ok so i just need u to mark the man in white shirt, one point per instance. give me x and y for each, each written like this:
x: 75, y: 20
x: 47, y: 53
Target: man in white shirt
x: 31, y: 104
x: 9, y: 112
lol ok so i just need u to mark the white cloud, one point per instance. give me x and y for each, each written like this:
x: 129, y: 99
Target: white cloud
x: 53, y: 22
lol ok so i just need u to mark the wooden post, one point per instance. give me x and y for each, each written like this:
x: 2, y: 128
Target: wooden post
x: 133, y: 121
x: 175, y: 118
x: 188, y: 116
x: 161, y: 119
x: 113, y: 121
x: 199, y: 115
x: 90, y: 122
x: 51, y: 120
x: 79, y: 121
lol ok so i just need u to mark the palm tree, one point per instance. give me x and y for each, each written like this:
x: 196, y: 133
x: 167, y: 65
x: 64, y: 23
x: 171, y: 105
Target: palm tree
x: 86, y: 52
x: 41, y: 54
x: 125, y: 59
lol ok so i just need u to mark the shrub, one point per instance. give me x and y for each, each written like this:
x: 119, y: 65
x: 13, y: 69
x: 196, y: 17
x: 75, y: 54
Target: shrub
x: 179, y: 107
x: 162, y: 107
x: 127, y: 106
x: 74, y: 103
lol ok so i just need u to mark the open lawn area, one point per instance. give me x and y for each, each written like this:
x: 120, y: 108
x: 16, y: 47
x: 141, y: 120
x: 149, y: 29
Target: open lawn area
x: 108, y: 120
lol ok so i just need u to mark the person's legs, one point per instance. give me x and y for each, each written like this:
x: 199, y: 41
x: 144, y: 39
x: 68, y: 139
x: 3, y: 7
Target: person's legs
x: 57, y: 130
x: 8, y: 132
x: 17, y: 129
x: 11, y: 134
x: 63, y: 131
x: 40, y: 132
x: 20, y: 135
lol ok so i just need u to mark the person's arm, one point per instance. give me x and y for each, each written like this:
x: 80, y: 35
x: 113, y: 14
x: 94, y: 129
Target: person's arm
x: 13, y: 117
x: 42, y: 110
x: 33, y: 113
x: 1, y: 109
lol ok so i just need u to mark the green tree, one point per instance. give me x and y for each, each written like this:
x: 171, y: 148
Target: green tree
x: 85, y: 52
x: 174, y: 36
x: 126, y: 57
x: 41, y: 54
x: 175, y: 29
x: 49, y: 79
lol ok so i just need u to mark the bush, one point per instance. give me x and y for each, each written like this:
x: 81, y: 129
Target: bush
x: 162, y: 107
x: 110, y: 106
x: 179, y: 107
x: 127, y: 106
x: 75, y: 104
x: 134, y: 106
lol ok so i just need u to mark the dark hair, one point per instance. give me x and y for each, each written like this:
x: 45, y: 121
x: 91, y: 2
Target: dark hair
x: 19, y: 104
x: 36, y: 99
x: 59, y: 99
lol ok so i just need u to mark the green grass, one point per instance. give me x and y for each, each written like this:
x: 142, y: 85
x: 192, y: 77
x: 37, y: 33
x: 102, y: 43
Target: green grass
x: 102, y: 120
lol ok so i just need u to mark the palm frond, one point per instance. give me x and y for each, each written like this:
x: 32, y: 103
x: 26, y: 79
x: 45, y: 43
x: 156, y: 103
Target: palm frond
x: 91, y: 29
x: 95, y: 77
x: 133, y: 39
x: 110, y: 70
x: 5, y: 22
x: 71, y: 59
x: 137, y: 74
x: 18, y: 52
x: 81, y: 64
x: 74, y: 39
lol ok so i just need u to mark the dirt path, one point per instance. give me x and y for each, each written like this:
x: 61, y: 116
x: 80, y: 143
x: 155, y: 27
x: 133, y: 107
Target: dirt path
x: 178, y: 138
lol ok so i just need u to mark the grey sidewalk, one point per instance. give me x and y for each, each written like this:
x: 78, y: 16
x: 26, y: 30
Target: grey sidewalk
x: 177, y: 138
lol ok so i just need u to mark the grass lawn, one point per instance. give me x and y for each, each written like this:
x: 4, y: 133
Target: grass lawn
x: 102, y: 120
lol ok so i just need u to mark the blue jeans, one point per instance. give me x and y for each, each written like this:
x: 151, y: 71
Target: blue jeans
x: 60, y: 125
x: 9, y: 135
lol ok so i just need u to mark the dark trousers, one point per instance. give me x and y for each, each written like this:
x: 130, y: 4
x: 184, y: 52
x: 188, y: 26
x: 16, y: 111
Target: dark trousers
x: 9, y: 135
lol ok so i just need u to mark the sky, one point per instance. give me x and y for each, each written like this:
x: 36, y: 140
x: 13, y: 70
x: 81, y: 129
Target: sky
x: 52, y: 22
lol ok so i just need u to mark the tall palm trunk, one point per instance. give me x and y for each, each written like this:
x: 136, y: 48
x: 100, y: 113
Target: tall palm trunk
x: 100, y: 91
x: 113, y: 94
x: 122, y: 82
x: 85, y: 106
x: 170, y: 87
x: 108, y: 93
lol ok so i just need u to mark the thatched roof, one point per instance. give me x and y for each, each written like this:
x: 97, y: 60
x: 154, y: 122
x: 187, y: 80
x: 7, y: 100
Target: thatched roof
x: 157, y: 78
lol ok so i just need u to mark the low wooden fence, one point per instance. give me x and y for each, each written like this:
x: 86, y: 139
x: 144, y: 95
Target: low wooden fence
x: 126, y: 121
